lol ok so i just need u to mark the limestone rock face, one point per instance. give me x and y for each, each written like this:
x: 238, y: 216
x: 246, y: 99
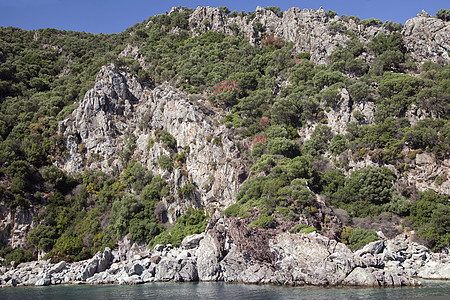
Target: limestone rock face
x: 15, y: 225
x: 120, y: 119
x: 308, y: 29
x: 428, y: 38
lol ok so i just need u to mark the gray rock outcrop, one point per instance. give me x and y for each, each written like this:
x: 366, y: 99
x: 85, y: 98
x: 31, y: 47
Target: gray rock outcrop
x: 427, y: 38
x: 312, y: 31
x: 308, y: 29
x: 119, y: 107
x: 288, y: 259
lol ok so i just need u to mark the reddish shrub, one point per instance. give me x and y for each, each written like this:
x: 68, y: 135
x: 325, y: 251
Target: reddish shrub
x: 272, y: 41
x: 226, y: 85
x: 259, y: 138
x: 264, y: 122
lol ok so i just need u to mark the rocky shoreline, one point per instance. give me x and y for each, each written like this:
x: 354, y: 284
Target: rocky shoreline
x: 220, y: 254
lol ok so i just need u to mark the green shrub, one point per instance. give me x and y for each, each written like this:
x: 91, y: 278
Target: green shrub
x: 338, y: 144
x: 217, y: 141
x: 371, y: 22
x: 283, y: 146
x: 302, y: 228
x: 443, y: 14
x: 258, y: 150
x: 168, y: 140
x: 18, y: 255
x: 186, y: 190
x: 276, y: 10
x: 165, y: 162
x: 361, y: 237
x: 263, y: 221
x: 53, y: 175
x: 192, y: 222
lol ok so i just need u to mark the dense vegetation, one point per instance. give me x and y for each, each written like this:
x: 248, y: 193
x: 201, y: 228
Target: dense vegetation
x: 44, y: 73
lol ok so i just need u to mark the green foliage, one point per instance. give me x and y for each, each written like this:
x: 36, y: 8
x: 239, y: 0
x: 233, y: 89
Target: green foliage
x: 319, y: 140
x: 371, y: 22
x: 18, y: 255
x: 392, y: 26
x: 361, y: 237
x: 186, y: 190
x: 276, y: 10
x: 263, y: 221
x: 168, y: 140
x: 360, y: 91
x: 302, y: 228
x: 422, y: 210
x: 338, y: 144
x: 135, y: 176
x: 192, y: 222
x: 365, y: 193
x: 429, y: 135
x: 258, y: 150
x: 283, y: 146
x: 139, y: 218
x: 331, y: 14
x: 443, y: 14
x: 55, y: 176
x: 283, y: 188
x: 165, y: 162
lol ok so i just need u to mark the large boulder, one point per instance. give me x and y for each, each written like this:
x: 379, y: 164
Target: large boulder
x: 361, y: 277
x: 192, y: 241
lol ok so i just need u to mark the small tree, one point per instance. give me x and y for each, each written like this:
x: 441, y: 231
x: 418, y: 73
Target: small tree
x: 443, y: 14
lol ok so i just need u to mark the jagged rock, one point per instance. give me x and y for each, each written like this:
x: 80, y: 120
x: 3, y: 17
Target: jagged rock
x: 208, y: 256
x: 308, y: 29
x: 104, y: 259
x: 427, y: 38
x: 12, y: 282
x: 192, y: 241
x: 147, y: 276
x: 166, y: 270
x: 136, y: 268
x: 43, y: 281
x: 115, y: 109
x: 58, y: 267
x: 155, y: 259
x: 159, y: 248
x: 133, y: 279
x: 361, y: 277
x: 188, y: 271
x: 90, y: 269
x: 183, y: 255
x: 435, y: 270
x: 372, y: 248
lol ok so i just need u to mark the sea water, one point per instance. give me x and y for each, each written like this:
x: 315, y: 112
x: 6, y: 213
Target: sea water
x: 222, y: 291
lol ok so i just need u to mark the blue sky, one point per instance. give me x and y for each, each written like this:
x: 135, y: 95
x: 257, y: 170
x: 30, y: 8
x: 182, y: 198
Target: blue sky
x: 115, y: 16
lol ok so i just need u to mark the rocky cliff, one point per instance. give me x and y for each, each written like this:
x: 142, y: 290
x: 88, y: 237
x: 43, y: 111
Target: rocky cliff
x: 122, y: 119
x: 314, y: 32
x: 119, y: 107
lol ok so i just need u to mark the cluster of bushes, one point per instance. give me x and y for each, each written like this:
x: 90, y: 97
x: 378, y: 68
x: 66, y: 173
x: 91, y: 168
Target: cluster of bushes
x: 18, y: 255
x: 280, y: 189
x: 192, y: 222
x: 104, y: 209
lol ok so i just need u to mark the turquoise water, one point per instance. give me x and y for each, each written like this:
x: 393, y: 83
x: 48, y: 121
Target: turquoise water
x: 222, y: 291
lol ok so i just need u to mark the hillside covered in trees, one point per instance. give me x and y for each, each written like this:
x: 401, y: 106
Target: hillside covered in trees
x: 341, y: 129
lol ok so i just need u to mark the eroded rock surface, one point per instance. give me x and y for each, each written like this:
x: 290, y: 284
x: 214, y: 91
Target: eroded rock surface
x: 120, y: 115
